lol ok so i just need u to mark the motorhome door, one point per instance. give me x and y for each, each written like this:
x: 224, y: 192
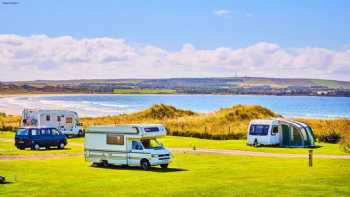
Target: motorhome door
x: 136, y: 152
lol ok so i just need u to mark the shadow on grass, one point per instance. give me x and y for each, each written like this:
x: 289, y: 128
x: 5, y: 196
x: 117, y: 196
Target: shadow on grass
x: 284, y: 147
x: 6, y: 182
x: 45, y: 149
x: 152, y: 169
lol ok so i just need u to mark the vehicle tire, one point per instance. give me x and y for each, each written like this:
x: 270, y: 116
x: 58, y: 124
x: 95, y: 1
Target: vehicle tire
x: 164, y: 166
x: 145, y: 164
x: 36, y: 146
x: 61, y: 145
x: 105, y: 163
x: 21, y: 148
x: 255, y: 142
x: 80, y: 134
x: 47, y: 147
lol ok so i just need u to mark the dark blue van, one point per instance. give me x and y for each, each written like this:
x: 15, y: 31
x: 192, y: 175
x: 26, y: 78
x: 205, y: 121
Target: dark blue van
x: 35, y: 138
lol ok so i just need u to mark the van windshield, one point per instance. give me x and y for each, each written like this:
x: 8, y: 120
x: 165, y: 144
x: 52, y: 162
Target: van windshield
x: 22, y: 132
x: 152, y: 144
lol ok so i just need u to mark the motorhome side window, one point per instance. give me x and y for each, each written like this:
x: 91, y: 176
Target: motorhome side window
x: 274, y: 130
x: 114, y: 139
x: 258, y: 129
x: 151, y: 129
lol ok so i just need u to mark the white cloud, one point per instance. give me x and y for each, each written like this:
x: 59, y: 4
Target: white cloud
x: 222, y: 12
x: 43, y: 57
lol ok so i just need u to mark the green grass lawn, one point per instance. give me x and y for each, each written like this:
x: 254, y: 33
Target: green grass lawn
x: 189, y: 175
x: 174, y: 141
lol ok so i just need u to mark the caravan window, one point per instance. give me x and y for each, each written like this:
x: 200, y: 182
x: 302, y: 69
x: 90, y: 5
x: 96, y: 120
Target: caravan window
x: 274, y: 130
x: 69, y: 119
x: 258, y: 129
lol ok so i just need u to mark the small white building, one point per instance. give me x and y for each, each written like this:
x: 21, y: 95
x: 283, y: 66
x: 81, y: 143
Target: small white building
x: 65, y: 121
x: 132, y: 144
x: 280, y: 132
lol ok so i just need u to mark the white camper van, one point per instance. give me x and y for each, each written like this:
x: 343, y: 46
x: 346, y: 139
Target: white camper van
x: 280, y: 132
x: 65, y: 121
x: 134, y: 145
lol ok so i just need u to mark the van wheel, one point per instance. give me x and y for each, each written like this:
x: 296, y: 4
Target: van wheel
x: 80, y: 134
x: 21, y: 148
x: 36, y: 146
x: 61, y: 145
x: 164, y: 166
x: 145, y: 164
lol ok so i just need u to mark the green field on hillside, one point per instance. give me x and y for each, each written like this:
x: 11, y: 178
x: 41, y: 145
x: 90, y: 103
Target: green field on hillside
x: 188, y: 175
x: 144, y: 91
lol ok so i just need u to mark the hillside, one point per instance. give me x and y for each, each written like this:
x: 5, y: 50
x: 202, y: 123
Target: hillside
x: 229, y: 85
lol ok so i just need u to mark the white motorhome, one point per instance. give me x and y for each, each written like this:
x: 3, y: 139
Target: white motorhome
x: 280, y: 132
x: 133, y: 144
x: 65, y: 121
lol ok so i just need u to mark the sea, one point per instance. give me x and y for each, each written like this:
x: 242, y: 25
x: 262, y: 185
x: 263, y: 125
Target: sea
x: 103, y: 105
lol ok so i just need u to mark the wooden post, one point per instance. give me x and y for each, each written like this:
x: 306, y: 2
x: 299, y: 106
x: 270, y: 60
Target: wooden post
x: 310, y: 157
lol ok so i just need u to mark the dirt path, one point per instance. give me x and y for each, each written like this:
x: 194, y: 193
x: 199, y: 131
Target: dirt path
x: 253, y: 153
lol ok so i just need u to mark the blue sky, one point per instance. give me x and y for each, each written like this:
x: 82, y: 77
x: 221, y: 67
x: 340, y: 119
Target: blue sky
x: 180, y: 38
x: 169, y: 24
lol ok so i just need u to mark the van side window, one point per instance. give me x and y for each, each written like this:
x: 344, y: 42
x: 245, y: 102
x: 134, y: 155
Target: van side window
x: 48, y: 117
x: 136, y: 145
x: 45, y: 131
x: 35, y: 132
x: 54, y: 132
x: 274, y: 130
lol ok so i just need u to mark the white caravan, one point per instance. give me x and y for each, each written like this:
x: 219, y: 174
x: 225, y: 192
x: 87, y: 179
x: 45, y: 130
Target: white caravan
x: 65, y: 121
x: 134, y: 145
x: 280, y: 132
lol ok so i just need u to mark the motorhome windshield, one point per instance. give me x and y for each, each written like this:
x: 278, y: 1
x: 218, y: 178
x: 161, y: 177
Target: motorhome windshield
x: 152, y: 144
x: 22, y: 132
